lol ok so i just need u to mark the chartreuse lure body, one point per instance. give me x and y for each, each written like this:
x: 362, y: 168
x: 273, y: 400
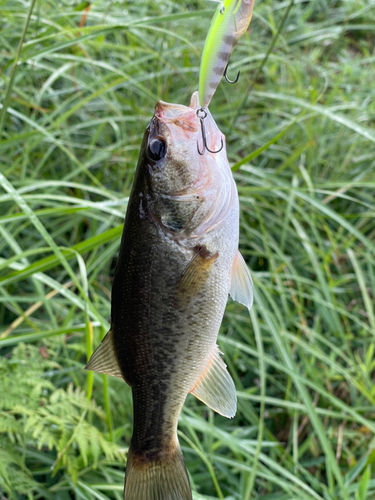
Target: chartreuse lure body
x: 229, y: 23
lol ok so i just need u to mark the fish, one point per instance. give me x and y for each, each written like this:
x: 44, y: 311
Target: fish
x: 178, y: 261
x: 229, y: 23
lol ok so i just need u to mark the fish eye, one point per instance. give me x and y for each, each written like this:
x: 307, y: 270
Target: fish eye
x: 156, y: 150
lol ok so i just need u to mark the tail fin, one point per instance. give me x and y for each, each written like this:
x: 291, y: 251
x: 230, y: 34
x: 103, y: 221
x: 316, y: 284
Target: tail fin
x: 164, y: 478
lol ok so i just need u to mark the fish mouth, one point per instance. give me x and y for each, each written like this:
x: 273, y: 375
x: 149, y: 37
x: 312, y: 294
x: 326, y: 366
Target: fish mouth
x: 213, y: 135
x: 178, y: 114
x: 185, y: 117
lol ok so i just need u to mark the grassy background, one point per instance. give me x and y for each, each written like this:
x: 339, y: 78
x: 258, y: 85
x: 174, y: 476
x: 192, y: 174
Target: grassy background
x: 76, y: 97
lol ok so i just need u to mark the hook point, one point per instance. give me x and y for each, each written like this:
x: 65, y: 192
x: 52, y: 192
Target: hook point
x: 201, y: 114
x: 226, y: 76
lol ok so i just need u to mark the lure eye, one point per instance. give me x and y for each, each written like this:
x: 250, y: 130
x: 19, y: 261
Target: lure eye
x: 156, y: 150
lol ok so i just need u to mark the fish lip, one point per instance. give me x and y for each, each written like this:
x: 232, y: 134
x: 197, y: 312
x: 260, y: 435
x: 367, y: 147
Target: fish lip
x: 178, y: 123
x: 178, y: 114
x: 161, y: 105
x: 213, y: 133
x: 185, y: 117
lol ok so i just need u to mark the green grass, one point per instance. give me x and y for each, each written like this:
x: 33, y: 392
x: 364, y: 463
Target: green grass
x: 76, y: 95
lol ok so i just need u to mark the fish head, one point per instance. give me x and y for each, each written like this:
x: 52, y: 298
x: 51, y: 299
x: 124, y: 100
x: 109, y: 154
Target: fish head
x: 185, y: 190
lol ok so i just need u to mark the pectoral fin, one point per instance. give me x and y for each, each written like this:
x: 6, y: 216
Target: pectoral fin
x: 104, y: 360
x: 216, y: 388
x: 195, y: 275
x: 241, y: 287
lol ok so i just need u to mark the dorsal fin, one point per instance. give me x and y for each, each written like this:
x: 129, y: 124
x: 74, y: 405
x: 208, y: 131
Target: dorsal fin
x: 241, y: 287
x: 216, y: 388
x: 104, y: 360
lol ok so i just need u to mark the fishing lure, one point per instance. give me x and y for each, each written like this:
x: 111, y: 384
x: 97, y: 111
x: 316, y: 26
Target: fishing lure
x: 229, y: 23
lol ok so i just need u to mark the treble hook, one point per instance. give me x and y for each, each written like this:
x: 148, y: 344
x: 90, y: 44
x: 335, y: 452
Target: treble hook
x: 201, y: 114
x: 226, y: 77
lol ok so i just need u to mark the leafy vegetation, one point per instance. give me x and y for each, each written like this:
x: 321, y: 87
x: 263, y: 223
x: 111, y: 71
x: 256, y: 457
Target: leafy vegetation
x: 78, y: 85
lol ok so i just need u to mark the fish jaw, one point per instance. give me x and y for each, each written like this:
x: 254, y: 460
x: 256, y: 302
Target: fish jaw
x: 227, y: 195
x: 182, y: 116
x: 215, y: 138
x: 184, y: 125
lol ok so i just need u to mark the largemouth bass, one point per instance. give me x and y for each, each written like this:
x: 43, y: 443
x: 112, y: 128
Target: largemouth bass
x: 178, y: 261
x: 229, y: 23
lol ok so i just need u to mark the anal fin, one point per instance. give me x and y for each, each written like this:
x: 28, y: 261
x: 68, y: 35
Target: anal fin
x: 216, y: 388
x: 104, y: 360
